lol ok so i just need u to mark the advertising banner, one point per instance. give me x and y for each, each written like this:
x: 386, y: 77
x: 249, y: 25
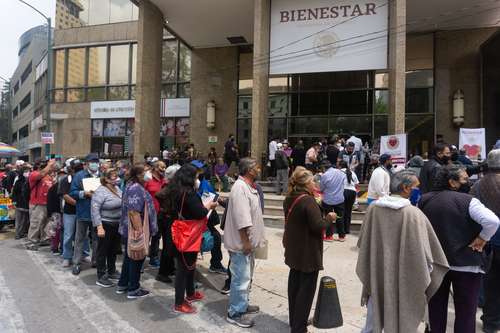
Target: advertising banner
x: 47, y: 138
x: 396, y: 146
x: 327, y: 36
x: 473, y: 141
x: 112, y: 109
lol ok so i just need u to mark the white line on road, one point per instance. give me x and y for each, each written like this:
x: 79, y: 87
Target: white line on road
x: 11, y: 320
x: 94, y: 310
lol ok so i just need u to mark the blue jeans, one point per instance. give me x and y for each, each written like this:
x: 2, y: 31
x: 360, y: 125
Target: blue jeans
x: 131, y: 272
x: 69, y: 226
x: 241, y: 268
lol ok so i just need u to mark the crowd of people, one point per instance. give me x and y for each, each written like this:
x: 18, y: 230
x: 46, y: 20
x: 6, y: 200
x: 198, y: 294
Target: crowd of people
x: 426, y: 227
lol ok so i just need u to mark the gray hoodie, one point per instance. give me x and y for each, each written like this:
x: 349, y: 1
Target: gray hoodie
x: 106, y: 206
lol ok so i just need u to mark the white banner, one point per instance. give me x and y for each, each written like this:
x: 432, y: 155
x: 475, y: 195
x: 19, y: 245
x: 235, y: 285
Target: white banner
x: 175, y: 107
x: 394, y: 145
x: 473, y: 141
x: 112, y: 109
x: 326, y: 36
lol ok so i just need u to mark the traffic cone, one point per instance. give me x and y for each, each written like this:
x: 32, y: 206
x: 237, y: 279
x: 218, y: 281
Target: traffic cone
x: 328, y: 313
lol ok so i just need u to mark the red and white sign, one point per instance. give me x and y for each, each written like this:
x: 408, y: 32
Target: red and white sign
x: 47, y: 138
x: 394, y: 145
x: 473, y: 141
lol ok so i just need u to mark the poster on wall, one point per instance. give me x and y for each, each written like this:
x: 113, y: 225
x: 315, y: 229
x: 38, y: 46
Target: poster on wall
x: 473, y: 141
x: 326, y: 36
x: 114, y: 127
x: 396, y: 146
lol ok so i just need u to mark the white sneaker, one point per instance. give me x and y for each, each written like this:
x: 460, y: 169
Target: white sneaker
x: 66, y: 263
x: 87, y: 260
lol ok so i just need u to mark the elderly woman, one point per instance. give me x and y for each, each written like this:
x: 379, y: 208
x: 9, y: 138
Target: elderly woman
x: 105, y: 210
x: 136, y: 200
x: 463, y: 226
x: 303, y: 242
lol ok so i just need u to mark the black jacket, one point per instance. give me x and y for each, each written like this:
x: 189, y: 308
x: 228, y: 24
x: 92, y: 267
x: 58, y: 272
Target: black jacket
x: 299, y: 156
x: 281, y: 160
x: 427, y: 174
x: 21, y: 193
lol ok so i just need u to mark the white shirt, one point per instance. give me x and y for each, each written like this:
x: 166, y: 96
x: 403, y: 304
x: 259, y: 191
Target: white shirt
x: 273, y: 147
x: 354, y: 181
x: 165, y: 154
x: 379, y: 183
x: 358, y: 143
x: 490, y: 223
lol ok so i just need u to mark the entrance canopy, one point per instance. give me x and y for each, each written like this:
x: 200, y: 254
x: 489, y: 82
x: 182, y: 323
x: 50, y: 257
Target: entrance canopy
x: 203, y: 24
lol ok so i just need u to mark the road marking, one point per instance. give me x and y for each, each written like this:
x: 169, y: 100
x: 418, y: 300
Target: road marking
x: 94, y: 310
x: 11, y: 319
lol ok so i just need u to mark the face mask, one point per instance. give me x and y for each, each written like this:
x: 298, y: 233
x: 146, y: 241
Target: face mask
x: 415, y: 195
x: 148, y: 176
x: 26, y: 175
x: 445, y: 159
x: 465, y: 187
x: 454, y: 156
x: 93, y: 166
x: 197, y: 183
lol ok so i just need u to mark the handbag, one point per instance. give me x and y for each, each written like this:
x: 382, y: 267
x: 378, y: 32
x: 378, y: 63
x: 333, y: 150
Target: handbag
x: 187, y: 235
x: 138, y: 240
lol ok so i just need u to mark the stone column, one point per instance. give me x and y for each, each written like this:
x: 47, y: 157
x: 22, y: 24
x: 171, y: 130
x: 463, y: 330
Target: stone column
x: 397, y: 66
x: 260, y: 92
x: 148, y: 81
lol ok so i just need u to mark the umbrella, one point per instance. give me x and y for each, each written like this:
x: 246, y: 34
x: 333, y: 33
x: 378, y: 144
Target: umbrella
x: 6, y: 150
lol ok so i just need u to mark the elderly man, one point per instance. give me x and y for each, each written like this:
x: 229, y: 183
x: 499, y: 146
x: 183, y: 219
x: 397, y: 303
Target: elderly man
x: 380, y: 180
x: 487, y: 190
x: 243, y: 234
x: 401, y: 263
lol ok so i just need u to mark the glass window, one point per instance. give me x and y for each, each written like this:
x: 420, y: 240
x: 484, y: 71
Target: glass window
x: 420, y: 133
x: 245, y: 86
x: 313, y: 104
x: 382, y: 80
x: 114, y: 127
x: 96, y: 145
x: 420, y: 79
x: 26, y: 72
x: 118, y: 93
x: 381, y: 101
x: 14, y: 112
x: 134, y: 64
x: 243, y: 135
x: 380, y: 126
x: 58, y: 96
x: 118, y: 64
x: 278, y: 106
x: 97, y: 127
x: 169, y: 60
x: 184, y: 63
x: 25, y: 102
x: 132, y: 92
x: 135, y: 13
x: 130, y: 126
x: 99, y: 12
x: 120, y: 11
x: 59, y: 69
x: 113, y: 145
x: 351, y: 102
x: 278, y: 84
x: 184, y: 90
x: 244, y: 106
x: 167, y: 127
x: 82, y: 12
x: 168, y: 91
x: 96, y: 94
x: 97, y: 65
x: 76, y: 67
x: 419, y: 100
x: 277, y: 128
x: 307, y: 126
x: 76, y: 95
x: 182, y: 127
x: 361, y: 125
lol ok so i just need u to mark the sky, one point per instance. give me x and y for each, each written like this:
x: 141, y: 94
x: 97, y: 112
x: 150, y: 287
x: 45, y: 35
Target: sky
x: 15, y: 19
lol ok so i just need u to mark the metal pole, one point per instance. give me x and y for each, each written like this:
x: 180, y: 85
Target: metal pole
x: 49, y: 81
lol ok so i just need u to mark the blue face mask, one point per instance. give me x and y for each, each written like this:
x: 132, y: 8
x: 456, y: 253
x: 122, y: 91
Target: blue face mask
x: 415, y: 196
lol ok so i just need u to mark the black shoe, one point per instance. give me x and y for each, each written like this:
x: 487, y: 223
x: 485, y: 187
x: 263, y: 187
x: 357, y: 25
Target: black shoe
x: 114, y: 276
x: 104, y: 282
x: 76, y: 269
x: 138, y: 294
x: 32, y: 247
x: 44, y: 244
x: 252, y: 309
x: 163, y: 278
x: 240, y: 320
x: 225, y: 290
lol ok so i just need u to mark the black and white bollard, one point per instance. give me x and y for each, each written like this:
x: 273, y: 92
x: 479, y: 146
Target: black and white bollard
x: 328, y: 313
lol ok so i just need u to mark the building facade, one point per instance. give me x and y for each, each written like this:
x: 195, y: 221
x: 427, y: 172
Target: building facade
x: 26, y: 116
x: 139, y: 76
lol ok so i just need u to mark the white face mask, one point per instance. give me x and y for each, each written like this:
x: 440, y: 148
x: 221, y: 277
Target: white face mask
x: 26, y: 174
x: 148, y: 176
x: 197, y: 184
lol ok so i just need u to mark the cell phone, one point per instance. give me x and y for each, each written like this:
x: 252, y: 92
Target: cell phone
x: 215, y: 198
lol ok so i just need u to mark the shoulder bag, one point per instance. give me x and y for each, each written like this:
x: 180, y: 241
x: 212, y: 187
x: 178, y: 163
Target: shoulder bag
x: 138, y: 240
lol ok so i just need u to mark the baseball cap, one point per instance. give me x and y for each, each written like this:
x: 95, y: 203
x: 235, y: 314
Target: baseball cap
x: 198, y: 164
x: 92, y: 157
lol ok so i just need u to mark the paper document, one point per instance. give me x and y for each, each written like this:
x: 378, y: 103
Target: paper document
x: 206, y: 198
x: 91, y: 184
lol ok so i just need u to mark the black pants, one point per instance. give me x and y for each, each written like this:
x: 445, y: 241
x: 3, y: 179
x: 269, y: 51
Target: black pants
x: 131, y: 272
x: 272, y: 170
x: 349, y: 199
x: 465, y: 297
x: 184, y: 277
x: 107, y: 248
x: 339, y: 223
x: 154, y: 247
x: 216, y: 252
x: 301, y: 290
x: 167, y: 265
x: 491, y: 309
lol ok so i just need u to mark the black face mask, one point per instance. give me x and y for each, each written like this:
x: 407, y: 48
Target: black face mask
x: 454, y: 156
x: 444, y: 159
x: 465, y: 187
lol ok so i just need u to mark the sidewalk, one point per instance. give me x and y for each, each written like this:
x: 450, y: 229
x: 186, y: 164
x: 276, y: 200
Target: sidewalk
x: 269, y: 288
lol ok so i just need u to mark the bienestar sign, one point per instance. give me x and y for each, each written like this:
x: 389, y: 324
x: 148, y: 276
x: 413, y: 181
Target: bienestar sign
x: 327, y: 36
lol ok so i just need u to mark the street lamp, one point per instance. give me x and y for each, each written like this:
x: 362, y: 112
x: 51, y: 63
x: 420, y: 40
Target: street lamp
x: 49, y: 70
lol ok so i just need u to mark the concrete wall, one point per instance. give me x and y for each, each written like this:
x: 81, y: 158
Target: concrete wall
x: 214, y: 75
x: 96, y: 34
x: 74, y: 131
x: 457, y: 66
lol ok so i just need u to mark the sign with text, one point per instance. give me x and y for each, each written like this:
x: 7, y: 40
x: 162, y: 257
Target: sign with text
x: 327, y: 36
x: 47, y: 138
x: 175, y: 107
x: 394, y: 145
x: 112, y: 109
x: 473, y: 141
